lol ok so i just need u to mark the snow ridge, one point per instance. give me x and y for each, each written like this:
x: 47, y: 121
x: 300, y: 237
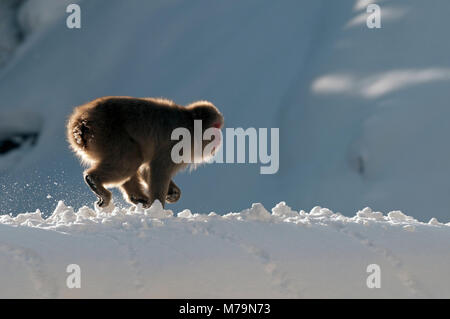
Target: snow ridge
x: 64, y: 218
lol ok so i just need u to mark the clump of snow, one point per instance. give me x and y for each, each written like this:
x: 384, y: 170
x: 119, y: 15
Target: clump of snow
x: 256, y: 212
x: 434, y: 221
x: 26, y: 219
x: 367, y: 213
x: 282, y: 210
x: 398, y: 217
x: 185, y: 214
x: 318, y: 211
x: 157, y: 211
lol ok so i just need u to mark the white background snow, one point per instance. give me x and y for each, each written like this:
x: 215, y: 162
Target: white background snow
x: 363, y: 117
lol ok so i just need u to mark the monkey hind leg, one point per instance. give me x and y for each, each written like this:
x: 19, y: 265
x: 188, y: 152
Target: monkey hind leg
x: 94, y: 182
x: 110, y: 172
x: 134, y: 193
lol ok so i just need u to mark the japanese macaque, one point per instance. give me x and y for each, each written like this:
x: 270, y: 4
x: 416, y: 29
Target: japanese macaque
x: 127, y: 143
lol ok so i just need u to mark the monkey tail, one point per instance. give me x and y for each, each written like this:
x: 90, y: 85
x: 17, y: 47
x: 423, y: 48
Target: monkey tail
x: 80, y: 132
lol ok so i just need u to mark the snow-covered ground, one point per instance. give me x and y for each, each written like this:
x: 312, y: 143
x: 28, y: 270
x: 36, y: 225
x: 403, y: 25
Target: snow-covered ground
x: 254, y: 253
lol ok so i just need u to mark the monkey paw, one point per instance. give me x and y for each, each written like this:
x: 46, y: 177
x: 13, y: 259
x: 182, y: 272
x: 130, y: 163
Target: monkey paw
x: 173, y: 195
x: 103, y: 202
x: 137, y: 200
x: 104, y: 205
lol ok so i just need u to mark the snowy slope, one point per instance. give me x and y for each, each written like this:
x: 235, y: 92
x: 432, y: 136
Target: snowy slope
x: 8, y: 29
x: 253, y: 254
x: 372, y: 127
x: 20, y: 18
x: 362, y: 113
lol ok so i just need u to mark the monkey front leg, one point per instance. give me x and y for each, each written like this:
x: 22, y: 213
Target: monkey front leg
x: 173, y: 193
x: 134, y: 193
x: 160, y: 178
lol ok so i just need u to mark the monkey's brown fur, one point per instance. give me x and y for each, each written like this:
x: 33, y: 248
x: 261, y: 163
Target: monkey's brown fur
x: 127, y: 143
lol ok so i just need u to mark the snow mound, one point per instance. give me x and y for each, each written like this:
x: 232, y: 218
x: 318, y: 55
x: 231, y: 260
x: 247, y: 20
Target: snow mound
x: 136, y: 252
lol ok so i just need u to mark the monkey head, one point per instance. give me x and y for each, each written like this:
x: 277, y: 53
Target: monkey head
x: 207, y: 113
x: 212, y: 122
